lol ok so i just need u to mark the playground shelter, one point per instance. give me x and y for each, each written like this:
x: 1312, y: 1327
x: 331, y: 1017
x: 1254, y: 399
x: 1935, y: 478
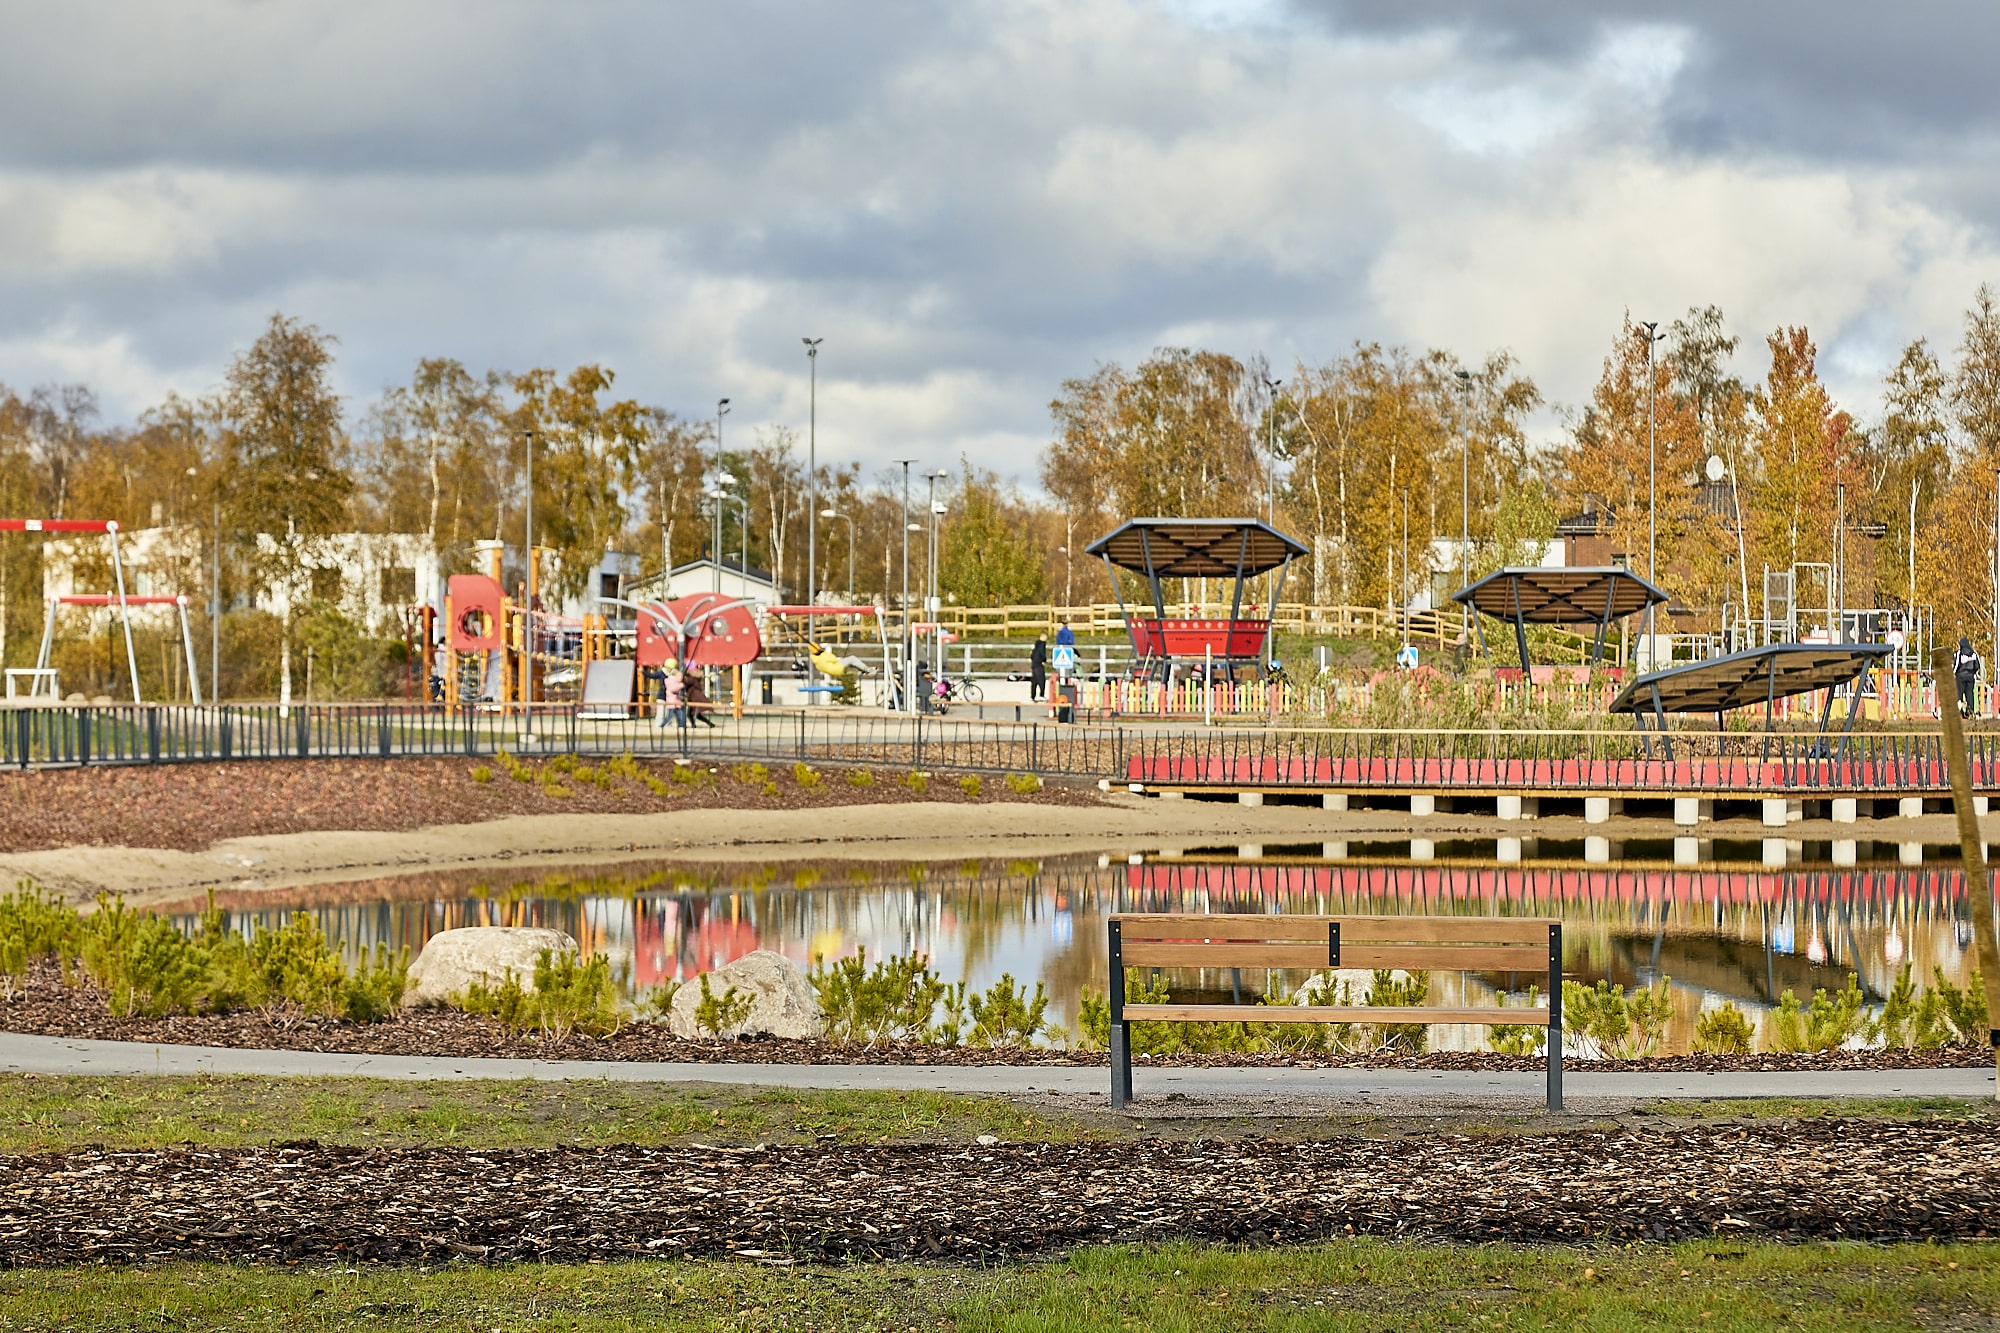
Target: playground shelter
x: 1196, y: 548
x: 1534, y: 595
x: 1756, y: 675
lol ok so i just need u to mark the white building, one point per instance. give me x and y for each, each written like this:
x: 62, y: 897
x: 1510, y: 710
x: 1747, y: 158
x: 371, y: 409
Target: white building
x: 738, y: 582
x: 371, y: 576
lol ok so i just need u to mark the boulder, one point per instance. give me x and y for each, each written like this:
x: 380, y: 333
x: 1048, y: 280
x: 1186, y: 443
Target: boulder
x: 782, y: 1000
x: 453, y: 959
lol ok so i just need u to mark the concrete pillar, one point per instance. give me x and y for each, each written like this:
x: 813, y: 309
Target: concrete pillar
x: 1423, y: 849
x: 1910, y: 853
x: 1687, y: 851
x: 1910, y: 807
x: 1845, y: 811
x: 1597, y: 851
x: 1172, y: 795
x: 1774, y: 853
x: 1423, y: 803
x: 1691, y: 810
x: 1333, y: 851
x: 1509, y: 851
x: 1172, y: 853
x: 1250, y: 798
x: 1843, y: 851
x: 1980, y: 804
x: 1135, y: 859
x: 1249, y: 851
x: 1517, y: 806
x: 1775, y: 808
x: 1333, y: 800
x: 1597, y: 809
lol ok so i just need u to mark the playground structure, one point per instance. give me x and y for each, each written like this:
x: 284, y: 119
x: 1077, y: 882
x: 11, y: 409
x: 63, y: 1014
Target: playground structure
x: 41, y: 678
x: 1586, y: 595
x: 832, y: 670
x: 1197, y: 548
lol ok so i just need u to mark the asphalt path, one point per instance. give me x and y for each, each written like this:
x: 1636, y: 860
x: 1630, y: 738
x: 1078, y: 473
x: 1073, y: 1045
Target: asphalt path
x: 25, y: 1054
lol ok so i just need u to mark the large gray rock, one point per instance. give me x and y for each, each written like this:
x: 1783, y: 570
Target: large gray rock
x: 782, y: 1000
x: 453, y: 959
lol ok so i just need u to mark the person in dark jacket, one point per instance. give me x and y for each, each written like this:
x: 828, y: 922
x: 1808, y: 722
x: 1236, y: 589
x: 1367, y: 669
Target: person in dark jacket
x: 1965, y: 666
x: 1038, y: 669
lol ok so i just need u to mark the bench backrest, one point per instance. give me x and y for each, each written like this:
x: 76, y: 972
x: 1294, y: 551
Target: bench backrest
x: 1409, y: 943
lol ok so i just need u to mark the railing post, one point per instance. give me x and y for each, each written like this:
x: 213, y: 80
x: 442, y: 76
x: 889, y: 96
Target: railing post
x: 83, y: 735
x: 153, y: 735
x: 1555, y: 1042
x: 382, y: 730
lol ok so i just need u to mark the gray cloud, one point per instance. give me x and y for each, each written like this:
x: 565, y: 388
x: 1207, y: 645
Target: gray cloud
x: 969, y: 203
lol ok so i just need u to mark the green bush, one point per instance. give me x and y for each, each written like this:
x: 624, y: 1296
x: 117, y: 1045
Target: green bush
x: 915, y: 781
x: 969, y: 784
x: 860, y: 777
x: 1829, y: 1023
x: 1723, y: 1031
x: 890, y: 1002
x: 1385, y: 991
x: 1006, y: 1015
x: 1605, y: 1022
x: 295, y: 963
x: 568, y: 996
x: 1518, y: 1038
x: 716, y: 1014
x: 1024, y: 784
x: 805, y: 775
x: 482, y: 773
x: 658, y: 1002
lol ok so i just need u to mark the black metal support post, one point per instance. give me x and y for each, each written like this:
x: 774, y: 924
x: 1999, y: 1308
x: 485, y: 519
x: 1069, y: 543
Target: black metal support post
x: 1121, y: 1051
x: 1555, y: 1042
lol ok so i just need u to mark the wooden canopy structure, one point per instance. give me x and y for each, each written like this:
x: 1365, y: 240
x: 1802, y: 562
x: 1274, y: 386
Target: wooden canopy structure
x: 1755, y: 675
x: 1532, y: 595
x: 1188, y: 548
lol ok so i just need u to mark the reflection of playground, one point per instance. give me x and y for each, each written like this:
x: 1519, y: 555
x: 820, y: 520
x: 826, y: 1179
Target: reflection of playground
x: 1720, y: 933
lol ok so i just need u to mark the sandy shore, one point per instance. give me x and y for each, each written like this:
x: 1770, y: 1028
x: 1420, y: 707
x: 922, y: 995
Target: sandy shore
x: 913, y: 831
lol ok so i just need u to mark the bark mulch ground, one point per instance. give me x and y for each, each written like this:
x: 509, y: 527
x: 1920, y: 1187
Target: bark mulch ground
x: 1870, y: 1180
x: 48, y: 1007
x: 188, y: 807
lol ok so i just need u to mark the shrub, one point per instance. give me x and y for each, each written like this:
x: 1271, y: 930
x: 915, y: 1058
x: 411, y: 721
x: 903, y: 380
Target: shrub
x: 969, y: 784
x: 294, y: 963
x: 716, y: 1014
x: 513, y: 767
x: 893, y: 1001
x: 916, y: 781
x: 658, y: 1002
x: 1006, y: 1015
x: 1024, y: 784
x: 43, y: 925
x: 1385, y: 991
x: 375, y: 991
x: 569, y: 996
x: 770, y: 789
x: 562, y: 763
x: 1829, y: 1023
x: 654, y: 785
x: 1723, y: 1031
x: 624, y: 766
x: 1605, y: 1022
x: 860, y: 777
x: 1965, y: 1010
x: 684, y: 773
x: 1518, y: 1038
x: 1147, y: 1038
x: 805, y: 775
x: 751, y: 775
x: 482, y: 773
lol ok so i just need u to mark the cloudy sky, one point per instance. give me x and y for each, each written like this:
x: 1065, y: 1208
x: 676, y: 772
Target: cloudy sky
x: 972, y: 202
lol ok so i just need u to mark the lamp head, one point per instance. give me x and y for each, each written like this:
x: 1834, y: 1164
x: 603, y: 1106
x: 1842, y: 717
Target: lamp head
x: 829, y: 513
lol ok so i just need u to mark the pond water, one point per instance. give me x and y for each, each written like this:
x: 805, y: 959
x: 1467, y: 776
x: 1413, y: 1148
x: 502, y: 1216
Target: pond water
x: 1744, y: 924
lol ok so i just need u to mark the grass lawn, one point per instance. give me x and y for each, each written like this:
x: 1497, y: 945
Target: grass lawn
x: 1162, y: 1289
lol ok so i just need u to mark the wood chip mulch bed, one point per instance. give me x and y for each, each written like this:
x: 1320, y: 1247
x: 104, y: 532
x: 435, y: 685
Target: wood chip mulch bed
x: 1870, y: 1180
x: 50, y: 1008
x: 189, y: 807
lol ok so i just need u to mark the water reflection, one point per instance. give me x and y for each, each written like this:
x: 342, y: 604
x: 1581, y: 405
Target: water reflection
x: 1732, y: 930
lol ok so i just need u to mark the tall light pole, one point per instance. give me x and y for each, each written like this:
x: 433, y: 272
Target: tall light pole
x: 1653, y: 337
x: 715, y: 543
x: 528, y: 611
x: 904, y: 605
x: 812, y: 474
x: 932, y: 606
x: 849, y: 521
x: 1271, y: 386
x: 1464, y: 478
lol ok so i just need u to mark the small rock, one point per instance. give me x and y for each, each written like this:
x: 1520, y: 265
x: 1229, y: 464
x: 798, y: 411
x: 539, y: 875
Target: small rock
x: 988, y: 1140
x: 782, y: 1000
x: 453, y: 959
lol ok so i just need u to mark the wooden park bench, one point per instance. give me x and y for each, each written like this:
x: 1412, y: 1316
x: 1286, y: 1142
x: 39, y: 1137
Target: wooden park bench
x: 1409, y: 943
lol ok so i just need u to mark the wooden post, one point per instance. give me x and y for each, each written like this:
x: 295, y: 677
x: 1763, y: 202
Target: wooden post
x: 1972, y: 847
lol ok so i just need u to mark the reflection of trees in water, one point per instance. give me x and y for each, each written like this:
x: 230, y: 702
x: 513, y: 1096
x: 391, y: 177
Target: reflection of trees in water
x: 1743, y: 934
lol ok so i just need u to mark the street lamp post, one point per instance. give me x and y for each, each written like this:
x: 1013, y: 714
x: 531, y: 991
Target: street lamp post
x: 812, y: 474
x: 715, y: 543
x: 849, y: 521
x: 909, y: 683
x: 1270, y: 477
x: 1464, y: 478
x: 1653, y: 337
x: 932, y: 606
x: 528, y: 611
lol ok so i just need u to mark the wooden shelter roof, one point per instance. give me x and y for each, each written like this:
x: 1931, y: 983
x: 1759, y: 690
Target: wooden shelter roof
x: 1753, y: 676
x: 1192, y: 548
x: 1593, y: 595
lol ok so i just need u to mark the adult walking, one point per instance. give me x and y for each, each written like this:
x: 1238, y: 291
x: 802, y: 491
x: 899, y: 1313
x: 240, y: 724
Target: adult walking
x: 1038, y: 669
x: 1965, y: 666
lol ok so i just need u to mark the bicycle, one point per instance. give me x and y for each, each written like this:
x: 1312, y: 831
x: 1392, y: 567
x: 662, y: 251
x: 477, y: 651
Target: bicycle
x: 960, y: 691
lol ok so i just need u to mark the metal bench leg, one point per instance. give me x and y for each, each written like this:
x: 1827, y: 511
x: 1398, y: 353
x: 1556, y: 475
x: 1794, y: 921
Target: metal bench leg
x: 1554, y: 1044
x: 1121, y: 1068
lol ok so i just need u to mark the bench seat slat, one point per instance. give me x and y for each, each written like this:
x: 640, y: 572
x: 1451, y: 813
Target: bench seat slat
x: 1415, y: 957
x: 1320, y: 1013
x: 1353, y: 929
